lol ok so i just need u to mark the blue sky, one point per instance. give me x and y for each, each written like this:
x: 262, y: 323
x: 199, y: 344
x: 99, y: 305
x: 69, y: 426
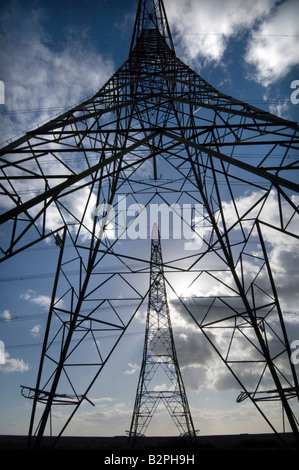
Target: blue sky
x: 54, y: 54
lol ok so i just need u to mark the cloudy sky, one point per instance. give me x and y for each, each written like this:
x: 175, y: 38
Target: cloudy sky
x: 54, y: 54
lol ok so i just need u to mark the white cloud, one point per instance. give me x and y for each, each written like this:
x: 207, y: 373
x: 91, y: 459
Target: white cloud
x: 102, y: 399
x: 132, y: 369
x: 6, y: 315
x: 113, y: 419
x: 273, y: 49
x: 13, y: 365
x: 232, y: 418
x: 40, y: 77
x: 279, y: 107
x: 200, y: 366
x: 202, y: 369
x: 42, y: 80
x: 38, y: 299
x: 204, y: 27
x: 35, y: 330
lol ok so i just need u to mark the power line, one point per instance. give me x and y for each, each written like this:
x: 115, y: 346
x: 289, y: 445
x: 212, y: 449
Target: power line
x: 63, y: 108
x: 111, y: 36
x: 138, y: 333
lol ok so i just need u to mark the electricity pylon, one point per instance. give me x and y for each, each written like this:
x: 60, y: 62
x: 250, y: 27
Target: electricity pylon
x: 159, y: 355
x: 157, y: 134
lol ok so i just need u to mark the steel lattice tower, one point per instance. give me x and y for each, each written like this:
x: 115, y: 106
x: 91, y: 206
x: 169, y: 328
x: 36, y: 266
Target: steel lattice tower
x: 159, y: 354
x: 157, y: 133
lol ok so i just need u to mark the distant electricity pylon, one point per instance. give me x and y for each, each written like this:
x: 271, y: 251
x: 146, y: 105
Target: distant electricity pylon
x: 158, y: 136
x: 159, y: 355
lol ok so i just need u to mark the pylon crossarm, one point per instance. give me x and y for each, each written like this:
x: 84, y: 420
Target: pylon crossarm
x: 42, y: 396
x: 71, y: 184
x: 266, y: 175
x: 269, y: 395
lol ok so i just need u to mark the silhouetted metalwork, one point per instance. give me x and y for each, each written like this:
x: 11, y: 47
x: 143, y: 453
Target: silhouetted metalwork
x: 158, y: 133
x: 159, y: 354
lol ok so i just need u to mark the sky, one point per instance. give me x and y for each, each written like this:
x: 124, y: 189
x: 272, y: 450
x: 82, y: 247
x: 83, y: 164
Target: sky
x: 53, y: 55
